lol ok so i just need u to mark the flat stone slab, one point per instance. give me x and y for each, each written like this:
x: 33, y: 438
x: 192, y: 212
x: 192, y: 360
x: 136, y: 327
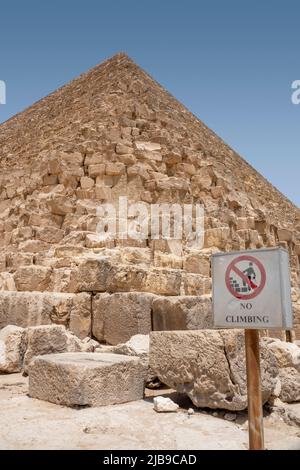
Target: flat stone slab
x: 86, y: 379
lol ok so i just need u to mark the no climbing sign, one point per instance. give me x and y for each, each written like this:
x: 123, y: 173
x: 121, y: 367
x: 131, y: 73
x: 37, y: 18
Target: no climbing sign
x: 251, y: 289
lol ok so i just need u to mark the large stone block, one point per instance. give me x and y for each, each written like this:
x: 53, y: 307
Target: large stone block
x: 49, y: 339
x: 102, y: 275
x: 182, y: 313
x: 117, y: 317
x: 32, y: 278
x: 11, y: 349
x: 209, y: 366
x: 43, y: 308
x: 288, y: 360
x: 86, y: 379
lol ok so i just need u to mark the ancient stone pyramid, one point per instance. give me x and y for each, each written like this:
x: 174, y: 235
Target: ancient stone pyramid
x: 113, y: 132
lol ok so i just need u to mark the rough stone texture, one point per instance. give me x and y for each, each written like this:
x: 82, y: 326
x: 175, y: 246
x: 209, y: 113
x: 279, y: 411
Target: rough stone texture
x: 287, y: 354
x: 86, y: 379
x: 11, y: 349
x: 290, y: 385
x: 182, y: 313
x: 138, y: 345
x: 117, y: 317
x: 288, y: 360
x: 164, y: 405
x: 209, y: 366
x: 36, y: 308
x: 115, y: 132
x: 48, y: 339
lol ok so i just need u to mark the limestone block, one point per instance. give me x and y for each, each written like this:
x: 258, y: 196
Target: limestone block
x: 163, y: 281
x: 284, y: 235
x: 119, y: 316
x: 50, y: 234
x: 288, y: 360
x: 216, y: 237
x: 290, y: 384
x: 209, y: 366
x: 33, y: 246
x: 198, y: 263
x: 123, y: 149
x: 96, y: 170
x: 43, y: 308
x: 287, y: 354
x: 182, y: 313
x: 86, y: 379
x: 7, y: 282
x: 114, y: 169
x: 48, y: 339
x: 86, y: 182
x: 148, y: 146
x: 60, y: 205
x: 195, y: 284
x: 32, y: 278
x: 11, y: 352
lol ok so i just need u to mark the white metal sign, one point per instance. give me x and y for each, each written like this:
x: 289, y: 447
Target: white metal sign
x: 251, y: 289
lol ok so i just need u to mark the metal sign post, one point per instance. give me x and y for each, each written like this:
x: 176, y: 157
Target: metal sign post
x: 251, y: 290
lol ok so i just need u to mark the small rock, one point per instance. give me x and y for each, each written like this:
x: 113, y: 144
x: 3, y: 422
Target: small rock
x: 215, y: 414
x: 230, y: 416
x: 191, y: 411
x: 164, y: 405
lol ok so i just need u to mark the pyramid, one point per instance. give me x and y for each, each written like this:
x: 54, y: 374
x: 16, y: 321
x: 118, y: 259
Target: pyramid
x: 110, y: 133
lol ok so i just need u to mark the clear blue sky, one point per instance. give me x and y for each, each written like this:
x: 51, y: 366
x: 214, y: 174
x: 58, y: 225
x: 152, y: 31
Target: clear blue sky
x: 231, y: 62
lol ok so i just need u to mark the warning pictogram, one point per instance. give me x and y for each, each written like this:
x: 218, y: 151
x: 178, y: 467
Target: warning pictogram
x: 245, y: 277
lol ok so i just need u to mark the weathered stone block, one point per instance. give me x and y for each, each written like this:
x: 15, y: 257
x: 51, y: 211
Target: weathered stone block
x: 209, y: 366
x: 86, y: 379
x: 36, y: 308
x: 117, y: 317
x: 32, y: 278
x: 48, y: 339
x: 182, y: 313
x: 11, y: 349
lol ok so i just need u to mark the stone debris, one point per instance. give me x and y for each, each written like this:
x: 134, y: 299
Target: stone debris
x: 164, y: 405
x: 137, y: 345
x: 230, y: 416
x: 86, y: 379
x: 209, y: 366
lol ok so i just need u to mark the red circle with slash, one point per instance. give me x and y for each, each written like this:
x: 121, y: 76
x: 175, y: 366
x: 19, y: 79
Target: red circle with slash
x: 232, y: 267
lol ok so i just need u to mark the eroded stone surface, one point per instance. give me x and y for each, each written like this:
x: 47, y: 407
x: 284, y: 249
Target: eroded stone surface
x: 209, y: 366
x: 86, y: 379
x: 117, y: 317
x: 11, y: 349
x: 39, y: 308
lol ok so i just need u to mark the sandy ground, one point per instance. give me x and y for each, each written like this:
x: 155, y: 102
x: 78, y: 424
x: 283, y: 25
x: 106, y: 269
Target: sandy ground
x: 28, y: 423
